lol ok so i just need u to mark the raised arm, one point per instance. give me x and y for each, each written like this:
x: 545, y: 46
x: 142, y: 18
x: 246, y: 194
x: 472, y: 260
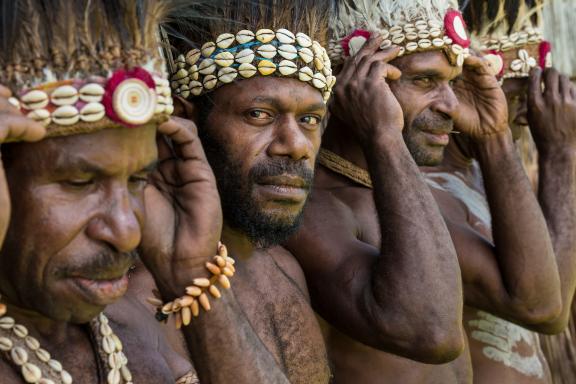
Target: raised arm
x: 517, y: 276
x: 552, y: 116
x: 403, y: 295
x: 182, y: 231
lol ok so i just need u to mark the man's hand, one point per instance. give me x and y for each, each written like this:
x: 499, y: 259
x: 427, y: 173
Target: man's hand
x: 483, y: 112
x: 13, y: 127
x: 552, y: 111
x: 362, y: 97
x: 183, y: 214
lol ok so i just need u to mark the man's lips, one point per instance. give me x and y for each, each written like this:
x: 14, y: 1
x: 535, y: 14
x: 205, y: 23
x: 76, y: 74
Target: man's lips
x: 438, y: 137
x: 284, y: 187
x: 100, y: 292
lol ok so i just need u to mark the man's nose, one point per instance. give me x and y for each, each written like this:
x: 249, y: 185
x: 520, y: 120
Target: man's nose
x: 290, y: 141
x: 446, y: 102
x: 117, y: 224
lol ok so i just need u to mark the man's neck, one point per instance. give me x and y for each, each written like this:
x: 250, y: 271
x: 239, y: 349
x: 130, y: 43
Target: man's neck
x: 339, y: 138
x: 239, y: 245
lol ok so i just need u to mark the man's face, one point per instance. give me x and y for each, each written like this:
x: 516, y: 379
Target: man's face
x: 261, y: 138
x: 77, y: 213
x: 425, y: 93
x: 516, y: 91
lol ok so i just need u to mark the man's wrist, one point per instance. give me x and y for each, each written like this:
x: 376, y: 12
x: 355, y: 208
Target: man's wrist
x: 494, y: 146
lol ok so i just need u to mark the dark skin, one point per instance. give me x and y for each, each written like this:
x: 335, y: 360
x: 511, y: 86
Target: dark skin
x: 514, y: 260
x: 77, y: 210
x: 395, y: 289
x: 275, y: 337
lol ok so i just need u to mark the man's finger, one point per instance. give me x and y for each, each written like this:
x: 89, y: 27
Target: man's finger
x: 477, y: 64
x: 380, y: 70
x: 551, y: 78
x: 19, y: 128
x: 535, y: 87
x: 184, y: 135
x: 5, y: 92
x: 381, y: 57
x: 565, y: 86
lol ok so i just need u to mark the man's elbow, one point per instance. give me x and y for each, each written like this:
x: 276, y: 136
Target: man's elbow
x: 550, y: 318
x: 442, y: 346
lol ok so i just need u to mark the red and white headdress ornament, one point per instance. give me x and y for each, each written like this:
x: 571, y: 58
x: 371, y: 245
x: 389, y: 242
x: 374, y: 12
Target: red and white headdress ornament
x: 414, y: 26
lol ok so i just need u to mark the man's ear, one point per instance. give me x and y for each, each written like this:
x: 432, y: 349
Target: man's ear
x: 185, y: 109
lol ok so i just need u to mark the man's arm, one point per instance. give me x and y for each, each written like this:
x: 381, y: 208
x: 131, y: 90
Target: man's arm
x: 182, y: 231
x: 552, y: 116
x: 524, y: 287
x: 405, y: 296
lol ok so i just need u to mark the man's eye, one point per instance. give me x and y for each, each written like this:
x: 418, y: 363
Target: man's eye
x: 423, y: 81
x: 259, y: 114
x: 311, y: 120
x: 78, y: 183
x: 138, y: 181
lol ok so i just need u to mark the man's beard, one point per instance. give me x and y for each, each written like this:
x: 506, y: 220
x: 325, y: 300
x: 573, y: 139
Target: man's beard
x: 240, y: 209
x: 423, y: 154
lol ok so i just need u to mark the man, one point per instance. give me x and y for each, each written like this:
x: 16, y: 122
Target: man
x: 258, y: 94
x: 513, y: 39
x: 77, y: 209
x: 434, y: 44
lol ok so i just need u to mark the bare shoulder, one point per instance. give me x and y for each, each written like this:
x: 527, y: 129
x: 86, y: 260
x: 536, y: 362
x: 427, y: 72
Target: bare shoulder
x: 9, y: 374
x: 288, y: 264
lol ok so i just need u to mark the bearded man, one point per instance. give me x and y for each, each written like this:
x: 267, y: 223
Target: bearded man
x: 503, y: 346
x: 418, y: 103
x: 255, y: 79
x: 89, y: 76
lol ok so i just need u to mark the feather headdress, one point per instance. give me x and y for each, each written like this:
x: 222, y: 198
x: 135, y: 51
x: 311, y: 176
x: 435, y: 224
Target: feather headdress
x: 82, y: 65
x: 413, y: 25
x: 243, y: 38
x: 509, y: 34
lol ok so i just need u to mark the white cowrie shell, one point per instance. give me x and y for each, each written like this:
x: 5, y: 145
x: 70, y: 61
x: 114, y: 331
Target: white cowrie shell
x: 288, y: 51
x: 31, y: 373
x: 409, y: 27
x: 66, y: 378
x: 460, y: 60
x: 396, y: 30
x: 193, y: 72
x: 266, y: 67
x: 92, y: 93
x: 35, y: 100
x: 438, y: 42
x: 6, y: 322
x: 386, y: 44
x: 514, y: 36
x: 423, y: 34
x: 224, y: 59
x: 184, y: 80
x: 208, y: 49
x: 303, y: 40
x: 435, y: 32
x: 32, y: 342
x: 412, y: 46
x: 92, y: 112
x: 193, y: 56
x: 55, y: 365
x: 285, y: 36
x: 247, y: 70
x: 113, y: 377
x: 411, y: 36
x: 447, y: 40
x: 108, y: 344
x: 169, y: 109
x: 507, y: 46
x: 210, y: 82
x: 267, y: 51
x: 244, y: 36
x: 424, y: 43
x: 66, y: 115
x: 14, y: 102
x: 421, y: 25
x: 227, y: 75
x: 225, y: 40
x: 42, y: 355
x: 305, y: 74
x: 306, y: 55
x: 318, y: 64
x: 384, y: 33
x: 180, y: 74
x: 402, y: 51
x: 265, y: 35
x: 5, y: 344
x: 18, y: 329
x: 180, y: 61
x: 435, y: 24
x: 196, y: 87
x: 245, y: 56
x: 319, y: 81
x: 207, y: 67
x: 287, y: 67
x: 398, y: 38
x: 457, y: 49
x: 317, y: 49
x: 126, y: 374
x: 40, y: 115
x: 19, y: 355
x: 45, y: 381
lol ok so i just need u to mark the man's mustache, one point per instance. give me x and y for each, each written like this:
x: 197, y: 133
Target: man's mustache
x: 102, y: 264
x: 283, y: 166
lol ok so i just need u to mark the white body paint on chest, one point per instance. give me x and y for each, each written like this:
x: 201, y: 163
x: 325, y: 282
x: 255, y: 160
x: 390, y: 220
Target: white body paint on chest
x: 502, y: 338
